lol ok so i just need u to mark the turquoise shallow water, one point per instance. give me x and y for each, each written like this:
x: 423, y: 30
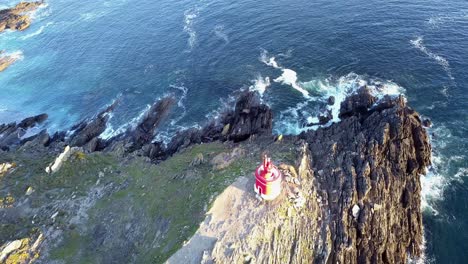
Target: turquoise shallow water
x: 79, y: 56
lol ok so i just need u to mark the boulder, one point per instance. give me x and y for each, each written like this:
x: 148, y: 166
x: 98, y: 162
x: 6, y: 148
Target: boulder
x: 9, y: 248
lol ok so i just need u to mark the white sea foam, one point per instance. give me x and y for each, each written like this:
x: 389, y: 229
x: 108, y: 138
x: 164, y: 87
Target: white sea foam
x: 111, y: 132
x: 15, y: 56
x: 41, y: 12
x: 292, y: 120
x: 92, y: 16
x: 437, y: 21
x: 270, y: 61
x: 260, y: 84
x: 287, y: 54
x: 37, y: 32
x: 419, y: 44
x: 180, y: 102
x: 439, y: 176
x: 220, y: 33
x: 289, y: 77
x: 189, y: 22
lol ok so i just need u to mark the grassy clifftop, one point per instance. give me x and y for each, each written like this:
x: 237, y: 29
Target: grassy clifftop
x: 101, y: 208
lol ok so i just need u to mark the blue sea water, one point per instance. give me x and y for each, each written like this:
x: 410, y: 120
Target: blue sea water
x: 79, y: 56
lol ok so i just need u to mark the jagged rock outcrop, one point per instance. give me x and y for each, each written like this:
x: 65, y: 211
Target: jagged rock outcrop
x: 353, y: 195
x: 11, y: 134
x: 17, y: 18
x: 355, y: 198
x: 249, y: 117
x: 369, y: 165
x: 87, y: 133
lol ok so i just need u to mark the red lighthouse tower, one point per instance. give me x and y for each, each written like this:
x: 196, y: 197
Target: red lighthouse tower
x: 267, y: 180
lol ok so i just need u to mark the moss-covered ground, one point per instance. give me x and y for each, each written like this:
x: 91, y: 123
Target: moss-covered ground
x: 113, y: 209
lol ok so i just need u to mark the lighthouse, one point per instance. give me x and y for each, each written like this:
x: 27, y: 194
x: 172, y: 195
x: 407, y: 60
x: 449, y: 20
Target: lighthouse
x: 267, y: 180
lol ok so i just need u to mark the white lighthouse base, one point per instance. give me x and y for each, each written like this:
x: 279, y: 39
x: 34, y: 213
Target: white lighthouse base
x: 266, y: 197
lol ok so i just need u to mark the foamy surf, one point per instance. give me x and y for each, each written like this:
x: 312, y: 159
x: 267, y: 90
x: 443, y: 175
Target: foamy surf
x: 260, y: 84
x: 111, y: 132
x: 322, y: 89
x: 189, y: 21
x: 289, y: 77
x: 419, y: 44
x: 180, y: 102
x: 440, y: 176
x: 12, y: 56
x: 37, y: 32
x: 298, y: 118
x: 41, y: 12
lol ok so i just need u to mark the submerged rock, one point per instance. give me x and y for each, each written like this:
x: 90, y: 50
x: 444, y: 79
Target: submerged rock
x: 6, y: 61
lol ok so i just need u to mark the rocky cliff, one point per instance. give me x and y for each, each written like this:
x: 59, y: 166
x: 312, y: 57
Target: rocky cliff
x: 360, y: 182
x: 351, y: 190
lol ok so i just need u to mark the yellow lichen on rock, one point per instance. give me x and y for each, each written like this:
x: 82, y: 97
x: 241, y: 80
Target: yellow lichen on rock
x: 7, y: 202
x: 21, y: 251
x: 4, y: 167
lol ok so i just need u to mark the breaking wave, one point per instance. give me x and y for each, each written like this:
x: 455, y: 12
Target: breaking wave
x: 111, y: 132
x: 440, y: 174
x: 316, y: 93
x: 15, y: 56
x: 37, y: 32
x: 418, y: 43
x: 260, y: 84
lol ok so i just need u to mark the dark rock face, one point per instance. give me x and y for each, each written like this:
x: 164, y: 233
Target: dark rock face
x: 87, y: 132
x: 11, y: 134
x: 15, y: 18
x: 250, y: 117
x: 357, y: 104
x: 369, y: 165
x: 144, y: 132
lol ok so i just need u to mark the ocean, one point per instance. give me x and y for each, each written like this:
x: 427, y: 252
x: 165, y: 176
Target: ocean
x: 79, y: 56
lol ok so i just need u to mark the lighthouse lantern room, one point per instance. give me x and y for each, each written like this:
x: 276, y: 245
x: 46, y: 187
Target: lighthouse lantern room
x: 267, y: 180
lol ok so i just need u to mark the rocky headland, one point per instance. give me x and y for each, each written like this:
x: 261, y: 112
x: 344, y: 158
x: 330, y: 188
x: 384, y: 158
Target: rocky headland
x: 351, y: 190
x: 17, y: 17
